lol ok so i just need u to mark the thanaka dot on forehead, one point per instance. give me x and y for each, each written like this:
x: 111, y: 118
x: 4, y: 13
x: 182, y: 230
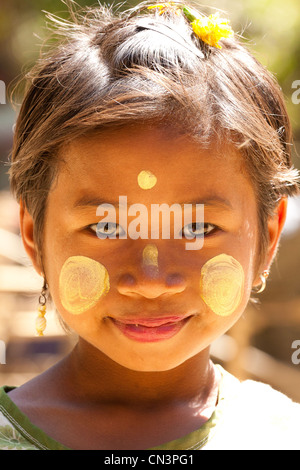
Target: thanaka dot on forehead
x: 146, y: 179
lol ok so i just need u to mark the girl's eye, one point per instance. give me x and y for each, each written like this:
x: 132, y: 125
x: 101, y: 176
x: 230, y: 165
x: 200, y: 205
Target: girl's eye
x: 197, y: 229
x: 107, y: 230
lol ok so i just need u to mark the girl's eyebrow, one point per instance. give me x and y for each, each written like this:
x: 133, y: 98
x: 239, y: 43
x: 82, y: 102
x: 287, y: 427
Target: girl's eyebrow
x: 89, y: 201
x: 212, y: 201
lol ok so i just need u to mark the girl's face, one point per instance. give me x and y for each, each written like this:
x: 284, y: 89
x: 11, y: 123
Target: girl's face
x: 149, y: 303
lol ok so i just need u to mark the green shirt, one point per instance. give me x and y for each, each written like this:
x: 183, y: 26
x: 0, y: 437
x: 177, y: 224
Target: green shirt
x: 249, y: 416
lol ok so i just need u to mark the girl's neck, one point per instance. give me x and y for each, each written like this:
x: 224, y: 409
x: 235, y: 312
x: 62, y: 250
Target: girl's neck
x: 91, y: 376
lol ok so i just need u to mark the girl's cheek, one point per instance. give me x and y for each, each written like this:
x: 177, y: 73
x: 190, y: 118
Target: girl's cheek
x: 82, y: 283
x: 222, y: 284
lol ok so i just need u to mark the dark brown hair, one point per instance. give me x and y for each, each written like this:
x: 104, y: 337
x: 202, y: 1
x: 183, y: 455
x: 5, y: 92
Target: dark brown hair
x: 114, y: 69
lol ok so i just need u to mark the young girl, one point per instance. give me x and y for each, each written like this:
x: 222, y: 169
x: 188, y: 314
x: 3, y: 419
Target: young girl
x: 157, y: 107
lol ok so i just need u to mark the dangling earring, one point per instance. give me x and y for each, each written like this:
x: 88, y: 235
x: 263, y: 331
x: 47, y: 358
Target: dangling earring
x: 41, y: 322
x: 263, y: 277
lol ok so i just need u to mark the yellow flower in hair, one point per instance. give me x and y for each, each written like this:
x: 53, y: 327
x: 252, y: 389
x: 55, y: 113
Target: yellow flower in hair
x: 164, y: 7
x: 161, y: 6
x: 211, y: 29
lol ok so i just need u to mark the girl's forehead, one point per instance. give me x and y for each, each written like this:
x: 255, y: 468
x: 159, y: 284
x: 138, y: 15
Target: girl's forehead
x: 143, y: 148
x: 151, y: 165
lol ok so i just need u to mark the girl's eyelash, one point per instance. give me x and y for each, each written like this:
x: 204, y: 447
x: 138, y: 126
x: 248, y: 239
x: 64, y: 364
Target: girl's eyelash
x: 108, y: 228
x: 194, y: 227
x: 200, y: 228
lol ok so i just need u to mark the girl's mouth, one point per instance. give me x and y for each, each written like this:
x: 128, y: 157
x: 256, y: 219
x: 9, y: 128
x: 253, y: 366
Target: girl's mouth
x: 148, y: 330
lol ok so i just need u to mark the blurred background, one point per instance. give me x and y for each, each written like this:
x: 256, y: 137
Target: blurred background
x: 262, y: 344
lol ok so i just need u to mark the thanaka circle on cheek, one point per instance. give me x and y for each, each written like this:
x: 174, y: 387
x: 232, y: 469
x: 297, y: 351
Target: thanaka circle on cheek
x: 222, y: 284
x: 82, y: 283
x: 146, y: 179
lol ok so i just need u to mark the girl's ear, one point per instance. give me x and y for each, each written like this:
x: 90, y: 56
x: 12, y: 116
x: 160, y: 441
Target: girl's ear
x: 26, y: 226
x: 275, y: 226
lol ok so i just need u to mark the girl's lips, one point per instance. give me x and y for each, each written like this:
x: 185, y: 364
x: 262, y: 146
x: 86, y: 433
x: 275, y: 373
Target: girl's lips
x: 148, y: 330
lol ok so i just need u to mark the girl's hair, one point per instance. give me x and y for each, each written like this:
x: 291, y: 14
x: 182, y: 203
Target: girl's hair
x: 117, y: 69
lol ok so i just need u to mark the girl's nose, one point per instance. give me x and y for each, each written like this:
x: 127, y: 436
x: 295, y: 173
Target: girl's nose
x: 150, y: 278
x: 151, y: 286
